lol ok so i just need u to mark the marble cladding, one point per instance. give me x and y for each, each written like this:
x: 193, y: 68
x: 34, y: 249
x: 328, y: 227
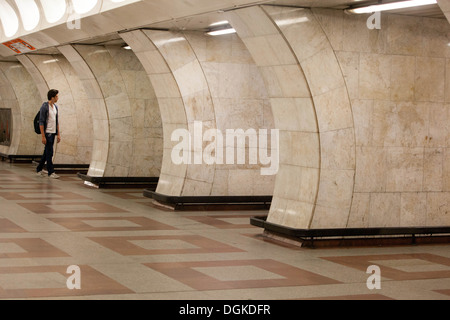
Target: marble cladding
x: 380, y: 99
x: 197, y: 102
x: 20, y: 94
x: 294, y: 115
x: 100, y: 144
x: 398, y: 87
x: 55, y: 72
x: 314, y: 114
x: 236, y: 99
x: 445, y: 6
x: 199, y: 78
x: 171, y: 107
x: 8, y: 101
x: 128, y: 126
x: 363, y: 114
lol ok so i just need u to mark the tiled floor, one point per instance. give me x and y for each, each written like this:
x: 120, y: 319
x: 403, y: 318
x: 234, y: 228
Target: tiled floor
x: 128, y: 249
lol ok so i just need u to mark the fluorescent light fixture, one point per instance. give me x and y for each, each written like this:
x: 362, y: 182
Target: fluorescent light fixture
x: 51, y: 61
x: 165, y: 41
x: 220, y: 23
x: 222, y: 32
x: 392, y: 6
x: 291, y: 21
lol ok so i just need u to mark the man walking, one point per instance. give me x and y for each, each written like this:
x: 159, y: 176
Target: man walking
x: 49, y: 125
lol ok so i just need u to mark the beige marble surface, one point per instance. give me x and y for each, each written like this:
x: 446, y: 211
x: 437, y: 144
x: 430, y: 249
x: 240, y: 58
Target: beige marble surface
x: 294, y: 115
x: 380, y: 98
x: 398, y: 91
x: 55, y: 72
x: 203, y: 79
x: 363, y: 114
x: 20, y: 94
x: 171, y: 107
x: 445, y: 6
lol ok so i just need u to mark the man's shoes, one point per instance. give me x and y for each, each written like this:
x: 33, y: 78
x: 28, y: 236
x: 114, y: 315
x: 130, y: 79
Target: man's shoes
x: 54, y: 176
x: 40, y: 174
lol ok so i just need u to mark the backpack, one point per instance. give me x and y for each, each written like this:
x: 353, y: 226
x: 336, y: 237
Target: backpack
x: 37, y: 127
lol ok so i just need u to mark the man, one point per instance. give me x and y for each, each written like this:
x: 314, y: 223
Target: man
x: 49, y: 126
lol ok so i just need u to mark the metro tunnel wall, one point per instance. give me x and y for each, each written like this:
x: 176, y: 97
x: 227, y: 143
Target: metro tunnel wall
x: 363, y: 114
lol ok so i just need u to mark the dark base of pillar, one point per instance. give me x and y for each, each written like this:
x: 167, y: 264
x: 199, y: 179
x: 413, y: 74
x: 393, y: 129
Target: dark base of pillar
x: 346, y: 237
x: 120, y: 182
x: 211, y: 203
x: 68, y: 168
x: 16, y: 158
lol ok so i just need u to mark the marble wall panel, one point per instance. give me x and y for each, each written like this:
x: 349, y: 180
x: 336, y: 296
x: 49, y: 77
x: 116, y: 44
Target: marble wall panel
x: 171, y: 108
x: 381, y: 104
x: 8, y: 100
x: 100, y: 125
x: 398, y: 88
x: 314, y: 51
x: 444, y: 5
x: 124, y: 111
x: 212, y: 81
x: 21, y: 95
x: 193, y: 89
x: 438, y: 209
x: 240, y: 101
x: 54, y: 71
x: 294, y: 115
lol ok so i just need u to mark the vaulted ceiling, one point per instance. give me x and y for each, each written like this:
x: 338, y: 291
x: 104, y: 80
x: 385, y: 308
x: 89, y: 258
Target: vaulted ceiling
x: 48, y: 23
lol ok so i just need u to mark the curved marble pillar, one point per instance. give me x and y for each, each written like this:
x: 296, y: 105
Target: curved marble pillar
x: 398, y: 81
x: 127, y: 125
x: 311, y: 106
x: 19, y: 93
x: 212, y: 82
x: 194, y: 90
x: 100, y: 147
x: 55, y: 72
x: 146, y: 125
x: 8, y: 100
x: 240, y: 102
x: 173, y: 115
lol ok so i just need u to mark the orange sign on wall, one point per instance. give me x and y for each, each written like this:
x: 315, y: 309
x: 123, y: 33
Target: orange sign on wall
x: 19, y: 46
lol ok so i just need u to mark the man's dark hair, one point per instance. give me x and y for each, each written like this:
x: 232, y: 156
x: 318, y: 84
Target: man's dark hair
x: 52, y: 93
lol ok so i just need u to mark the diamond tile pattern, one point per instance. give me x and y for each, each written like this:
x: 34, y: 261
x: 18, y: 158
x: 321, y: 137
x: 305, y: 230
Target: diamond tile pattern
x: 127, y: 249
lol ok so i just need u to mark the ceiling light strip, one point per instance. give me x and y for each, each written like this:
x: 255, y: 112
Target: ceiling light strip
x: 391, y: 6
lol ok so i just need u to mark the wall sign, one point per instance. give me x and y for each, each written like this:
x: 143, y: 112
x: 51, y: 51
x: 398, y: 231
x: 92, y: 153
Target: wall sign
x: 5, y: 127
x: 19, y: 46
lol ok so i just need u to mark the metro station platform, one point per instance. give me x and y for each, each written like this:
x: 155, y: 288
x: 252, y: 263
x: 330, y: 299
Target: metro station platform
x: 128, y: 248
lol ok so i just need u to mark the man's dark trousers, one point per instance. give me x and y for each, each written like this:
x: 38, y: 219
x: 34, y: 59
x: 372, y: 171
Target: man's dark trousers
x: 48, y: 154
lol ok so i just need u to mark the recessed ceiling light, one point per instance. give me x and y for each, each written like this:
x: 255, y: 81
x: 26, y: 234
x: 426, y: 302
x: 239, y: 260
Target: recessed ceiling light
x: 391, y: 6
x: 220, y: 23
x: 222, y: 32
